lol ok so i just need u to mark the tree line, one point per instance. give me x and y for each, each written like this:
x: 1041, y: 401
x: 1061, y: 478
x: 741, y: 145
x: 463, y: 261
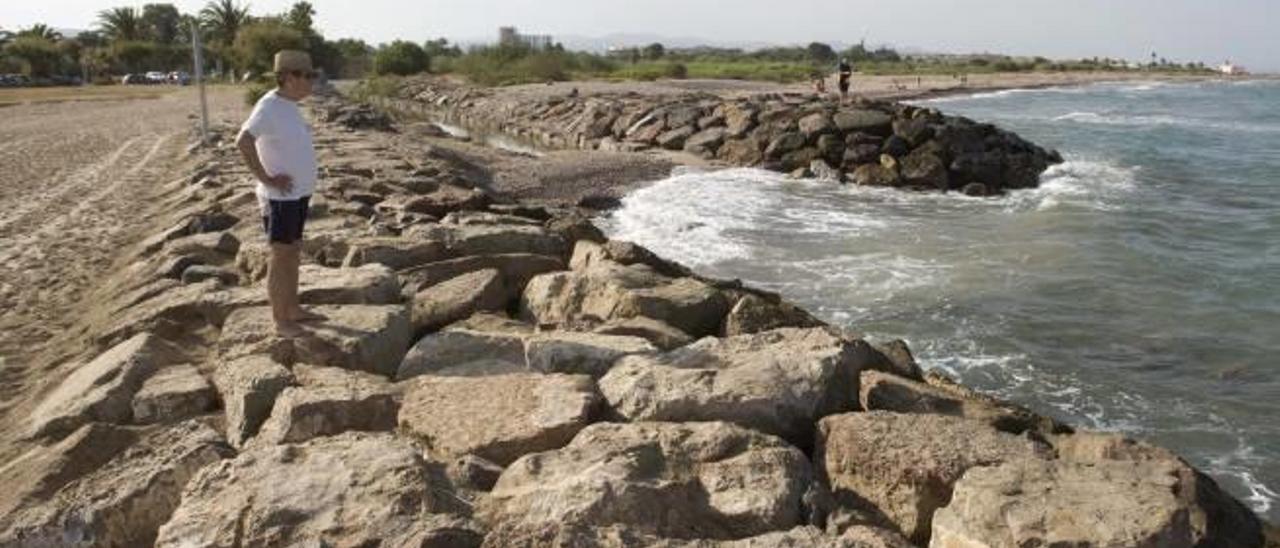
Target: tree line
x: 158, y: 37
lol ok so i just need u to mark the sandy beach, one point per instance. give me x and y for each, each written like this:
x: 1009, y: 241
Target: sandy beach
x: 887, y: 87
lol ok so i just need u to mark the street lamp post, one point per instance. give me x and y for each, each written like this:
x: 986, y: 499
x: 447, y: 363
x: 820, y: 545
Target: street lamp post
x: 198, y: 58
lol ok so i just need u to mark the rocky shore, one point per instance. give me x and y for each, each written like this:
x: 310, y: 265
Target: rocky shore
x: 866, y: 143
x: 498, y: 373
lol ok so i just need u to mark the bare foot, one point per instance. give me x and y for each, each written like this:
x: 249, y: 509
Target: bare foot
x: 289, y: 330
x: 303, y: 315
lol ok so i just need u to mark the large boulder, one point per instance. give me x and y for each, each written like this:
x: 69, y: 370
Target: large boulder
x: 459, y: 298
x: 128, y: 499
x: 516, y: 269
x: 1038, y: 503
x: 499, y: 418
x: 890, y: 392
x: 901, y: 468
x: 860, y: 536
x: 798, y: 159
x: 554, y: 535
x: 816, y: 124
x: 898, y: 360
x: 357, y: 489
x: 925, y: 170
x: 662, y: 335
x: 465, y: 240
x: 706, y: 142
x: 871, y: 122
x: 609, y: 291
x: 580, y: 353
x: 249, y: 387
x: 1216, y: 517
x: 676, y: 480
x: 329, y: 401
x: 739, y: 119
x: 784, y: 144
x: 173, y: 394
x: 395, y: 253
x: 368, y: 284
x: 875, y: 175
x: 101, y: 390
x: 675, y: 139
x: 914, y: 130
x: 36, y: 474
x: 858, y: 154
x: 444, y: 200
x: 587, y: 254
x: 462, y: 351
x: 213, y: 245
x: 779, y: 382
x: 741, y: 152
x: 369, y: 338
x: 754, y: 314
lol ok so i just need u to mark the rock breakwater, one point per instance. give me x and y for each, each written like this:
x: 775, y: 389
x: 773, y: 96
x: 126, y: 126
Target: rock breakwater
x: 494, y: 373
x: 866, y: 142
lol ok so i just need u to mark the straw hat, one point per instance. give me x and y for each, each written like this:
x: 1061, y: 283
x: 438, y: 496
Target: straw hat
x: 289, y: 60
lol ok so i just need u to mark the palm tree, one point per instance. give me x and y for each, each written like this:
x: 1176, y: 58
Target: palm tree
x: 41, y: 30
x: 223, y: 19
x: 121, y: 23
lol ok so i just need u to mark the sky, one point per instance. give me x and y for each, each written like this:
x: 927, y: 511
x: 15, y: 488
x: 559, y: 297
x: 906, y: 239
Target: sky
x: 1244, y: 31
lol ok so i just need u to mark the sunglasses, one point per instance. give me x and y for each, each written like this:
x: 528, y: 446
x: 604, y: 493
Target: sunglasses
x: 308, y: 74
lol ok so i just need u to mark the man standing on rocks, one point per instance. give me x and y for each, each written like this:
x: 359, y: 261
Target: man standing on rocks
x: 846, y: 73
x: 276, y: 144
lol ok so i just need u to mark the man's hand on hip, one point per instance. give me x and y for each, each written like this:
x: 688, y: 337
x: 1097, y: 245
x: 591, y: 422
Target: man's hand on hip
x: 282, y: 182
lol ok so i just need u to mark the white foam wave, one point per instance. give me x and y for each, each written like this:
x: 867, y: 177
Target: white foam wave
x: 1078, y: 182
x: 1138, y: 87
x: 1239, y: 465
x: 1150, y: 121
x: 692, y: 215
x: 1069, y: 89
x: 879, y: 276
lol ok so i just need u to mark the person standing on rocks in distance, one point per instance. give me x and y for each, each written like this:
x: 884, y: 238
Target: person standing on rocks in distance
x: 846, y: 73
x: 276, y: 144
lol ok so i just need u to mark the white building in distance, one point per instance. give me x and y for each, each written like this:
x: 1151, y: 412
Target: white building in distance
x: 1230, y: 69
x: 509, y: 36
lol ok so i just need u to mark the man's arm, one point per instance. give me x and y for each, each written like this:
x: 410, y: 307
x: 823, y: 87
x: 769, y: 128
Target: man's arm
x: 248, y: 149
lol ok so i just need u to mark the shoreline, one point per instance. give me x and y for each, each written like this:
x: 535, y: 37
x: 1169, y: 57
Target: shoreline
x: 401, y: 377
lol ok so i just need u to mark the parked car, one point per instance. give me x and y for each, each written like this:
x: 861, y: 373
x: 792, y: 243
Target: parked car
x: 133, y: 79
x: 64, y: 80
x: 156, y: 77
x: 179, y: 78
x: 8, y: 80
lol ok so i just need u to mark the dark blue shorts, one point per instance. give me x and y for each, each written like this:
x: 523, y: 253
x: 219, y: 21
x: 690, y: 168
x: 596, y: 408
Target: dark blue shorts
x: 284, y: 220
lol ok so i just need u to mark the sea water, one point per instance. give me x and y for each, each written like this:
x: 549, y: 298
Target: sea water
x: 1136, y: 290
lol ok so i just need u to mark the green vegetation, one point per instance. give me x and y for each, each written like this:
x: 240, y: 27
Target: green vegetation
x: 514, y: 64
x: 376, y: 86
x: 401, y: 58
x: 157, y: 37
x: 255, y: 91
x: 731, y: 70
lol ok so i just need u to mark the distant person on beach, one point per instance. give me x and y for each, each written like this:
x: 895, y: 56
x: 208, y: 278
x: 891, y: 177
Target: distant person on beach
x: 846, y: 73
x: 819, y: 83
x: 276, y: 144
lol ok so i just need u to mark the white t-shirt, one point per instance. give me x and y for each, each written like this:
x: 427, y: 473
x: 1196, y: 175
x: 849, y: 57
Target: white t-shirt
x: 284, y: 145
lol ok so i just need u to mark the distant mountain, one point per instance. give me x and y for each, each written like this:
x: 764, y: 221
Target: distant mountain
x: 600, y: 44
x: 69, y: 33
